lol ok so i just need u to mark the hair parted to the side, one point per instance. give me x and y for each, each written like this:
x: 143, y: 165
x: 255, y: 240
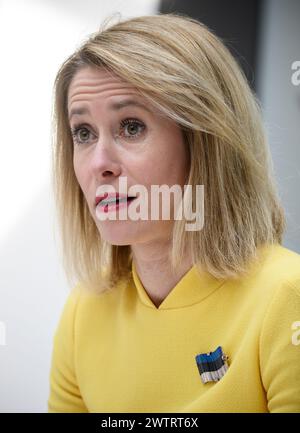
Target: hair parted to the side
x: 189, y: 74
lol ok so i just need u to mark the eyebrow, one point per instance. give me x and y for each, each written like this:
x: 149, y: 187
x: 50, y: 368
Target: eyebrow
x: 114, y: 106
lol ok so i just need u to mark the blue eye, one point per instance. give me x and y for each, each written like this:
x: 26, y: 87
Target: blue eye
x: 75, y: 132
x: 133, y: 128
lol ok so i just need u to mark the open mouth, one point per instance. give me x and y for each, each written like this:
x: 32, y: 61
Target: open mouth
x: 115, y: 205
x: 115, y: 200
x: 109, y: 202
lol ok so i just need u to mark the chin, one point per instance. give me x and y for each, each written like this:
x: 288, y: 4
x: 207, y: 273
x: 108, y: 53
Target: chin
x: 115, y: 235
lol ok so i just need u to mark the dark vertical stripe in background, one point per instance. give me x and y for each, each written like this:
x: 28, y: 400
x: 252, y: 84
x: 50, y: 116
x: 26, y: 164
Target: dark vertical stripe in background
x: 235, y: 21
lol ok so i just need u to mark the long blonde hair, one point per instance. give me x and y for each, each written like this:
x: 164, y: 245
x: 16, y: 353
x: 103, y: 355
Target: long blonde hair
x: 186, y: 71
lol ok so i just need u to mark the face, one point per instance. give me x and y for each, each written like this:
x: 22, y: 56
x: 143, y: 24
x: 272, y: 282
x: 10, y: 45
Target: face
x: 112, y: 139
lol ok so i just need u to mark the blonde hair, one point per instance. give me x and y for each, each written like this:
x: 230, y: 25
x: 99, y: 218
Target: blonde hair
x: 188, y: 74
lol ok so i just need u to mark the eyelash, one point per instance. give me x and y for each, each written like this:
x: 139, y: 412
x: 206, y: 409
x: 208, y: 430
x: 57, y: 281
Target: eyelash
x: 123, y: 123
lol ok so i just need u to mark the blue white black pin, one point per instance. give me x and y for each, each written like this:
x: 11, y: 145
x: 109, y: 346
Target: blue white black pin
x: 212, y: 366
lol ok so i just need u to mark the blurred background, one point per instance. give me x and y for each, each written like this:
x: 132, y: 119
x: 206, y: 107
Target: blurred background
x: 36, y: 36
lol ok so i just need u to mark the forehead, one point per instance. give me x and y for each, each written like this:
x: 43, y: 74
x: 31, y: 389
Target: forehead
x: 90, y: 82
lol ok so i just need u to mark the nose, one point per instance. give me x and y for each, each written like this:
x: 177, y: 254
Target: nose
x: 105, y: 160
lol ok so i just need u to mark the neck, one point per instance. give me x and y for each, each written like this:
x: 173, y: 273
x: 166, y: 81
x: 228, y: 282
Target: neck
x: 154, y: 269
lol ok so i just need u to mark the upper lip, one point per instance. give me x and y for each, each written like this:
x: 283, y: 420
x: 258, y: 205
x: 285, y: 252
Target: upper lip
x: 109, y: 195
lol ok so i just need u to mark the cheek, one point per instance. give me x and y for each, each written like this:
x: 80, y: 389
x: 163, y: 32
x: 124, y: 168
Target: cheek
x: 80, y: 174
x: 170, y: 165
x: 180, y: 159
x: 76, y: 168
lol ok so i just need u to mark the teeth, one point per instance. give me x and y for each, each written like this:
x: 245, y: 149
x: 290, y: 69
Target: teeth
x: 112, y: 200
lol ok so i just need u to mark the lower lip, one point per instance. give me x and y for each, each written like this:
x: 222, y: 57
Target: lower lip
x: 113, y: 207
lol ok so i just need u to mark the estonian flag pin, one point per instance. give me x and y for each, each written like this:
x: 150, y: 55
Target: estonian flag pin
x: 212, y: 366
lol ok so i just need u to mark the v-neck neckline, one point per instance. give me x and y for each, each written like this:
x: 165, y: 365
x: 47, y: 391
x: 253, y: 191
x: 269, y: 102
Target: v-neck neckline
x: 192, y: 288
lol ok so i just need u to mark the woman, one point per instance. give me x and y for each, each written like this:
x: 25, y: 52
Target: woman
x: 163, y: 318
